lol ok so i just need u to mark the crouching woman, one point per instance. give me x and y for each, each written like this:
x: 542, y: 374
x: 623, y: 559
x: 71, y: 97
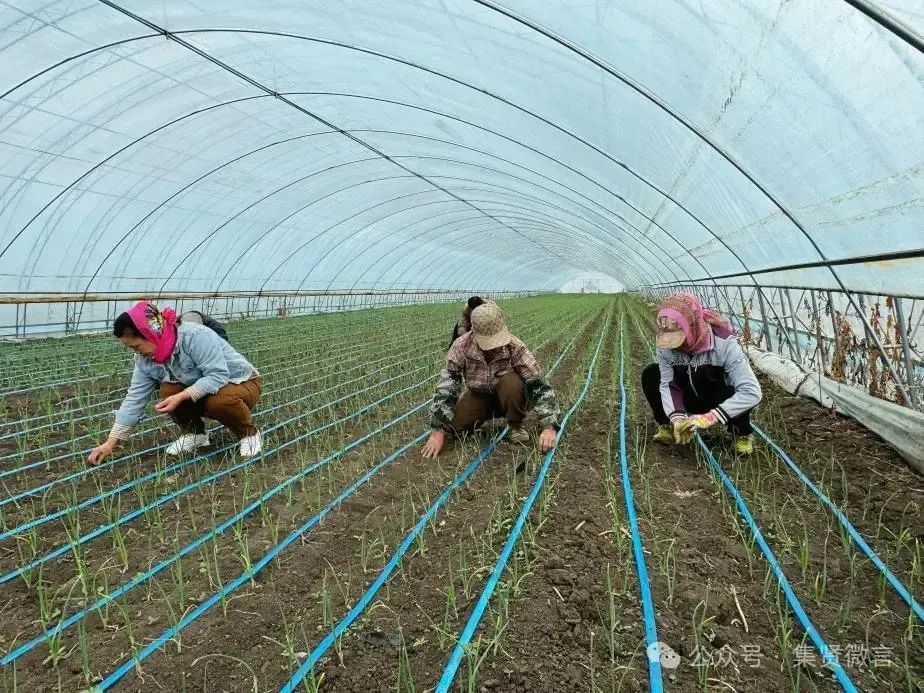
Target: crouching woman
x: 198, y: 375
x: 702, y: 377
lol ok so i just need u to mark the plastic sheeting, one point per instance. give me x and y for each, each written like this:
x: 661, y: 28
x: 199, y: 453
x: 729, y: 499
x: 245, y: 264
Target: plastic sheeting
x: 279, y: 144
x: 899, y: 426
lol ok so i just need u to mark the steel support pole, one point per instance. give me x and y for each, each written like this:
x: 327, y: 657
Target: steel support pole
x: 906, y: 351
x: 765, y: 325
x: 819, y: 339
x: 795, y: 326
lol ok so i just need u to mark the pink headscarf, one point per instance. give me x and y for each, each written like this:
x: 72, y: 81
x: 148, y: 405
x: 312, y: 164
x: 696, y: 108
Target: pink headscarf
x: 698, y: 323
x: 156, y: 326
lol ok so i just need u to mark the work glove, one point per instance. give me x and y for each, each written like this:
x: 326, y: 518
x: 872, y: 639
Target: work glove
x: 685, y: 428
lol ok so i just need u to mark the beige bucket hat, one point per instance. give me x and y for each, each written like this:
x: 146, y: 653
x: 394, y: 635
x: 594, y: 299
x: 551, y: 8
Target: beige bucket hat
x: 490, y: 327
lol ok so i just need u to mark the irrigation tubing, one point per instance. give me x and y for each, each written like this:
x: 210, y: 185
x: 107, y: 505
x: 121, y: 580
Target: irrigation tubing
x: 261, y: 412
x: 121, y: 460
x: 89, y: 470
x: 360, y: 606
x: 449, y: 672
x: 113, y: 678
x: 166, y: 498
x: 208, y: 536
x: 300, y: 365
x: 220, y: 529
x: 827, y: 655
x: 852, y: 531
x: 102, y: 529
x: 846, y: 524
x: 260, y: 346
x: 655, y: 684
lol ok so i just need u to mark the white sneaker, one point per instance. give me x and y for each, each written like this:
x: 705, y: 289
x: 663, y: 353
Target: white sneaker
x: 252, y: 445
x: 188, y: 443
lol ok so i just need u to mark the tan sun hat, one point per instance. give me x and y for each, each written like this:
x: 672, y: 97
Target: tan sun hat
x: 490, y: 327
x: 670, y: 335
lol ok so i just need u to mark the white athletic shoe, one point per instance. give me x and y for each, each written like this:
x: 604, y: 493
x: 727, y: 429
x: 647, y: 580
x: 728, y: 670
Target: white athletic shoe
x: 252, y: 445
x: 188, y: 443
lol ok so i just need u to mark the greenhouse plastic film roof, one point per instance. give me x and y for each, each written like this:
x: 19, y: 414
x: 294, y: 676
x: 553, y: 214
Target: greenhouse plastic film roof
x: 210, y: 146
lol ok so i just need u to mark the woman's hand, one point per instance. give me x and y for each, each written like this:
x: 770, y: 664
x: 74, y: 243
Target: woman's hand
x: 169, y: 404
x: 434, y: 444
x: 547, y: 439
x: 100, y: 453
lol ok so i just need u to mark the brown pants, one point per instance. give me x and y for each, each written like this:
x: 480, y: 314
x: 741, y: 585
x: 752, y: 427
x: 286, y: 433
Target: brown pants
x: 507, y: 400
x: 232, y: 406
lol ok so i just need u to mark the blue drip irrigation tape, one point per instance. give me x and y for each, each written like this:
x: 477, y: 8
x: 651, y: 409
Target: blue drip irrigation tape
x: 360, y: 606
x: 243, y: 578
x: 857, y: 538
x: 166, y: 498
x: 389, y: 568
x: 370, y: 331
x: 826, y: 653
x: 827, y: 656
x: 102, y: 529
x: 846, y: 524
x: 474, y: 619
x: 648, y: 612
x: 303, y: 363
x: 90, y: 470
x: 179, y: 465
x: 208, y: 536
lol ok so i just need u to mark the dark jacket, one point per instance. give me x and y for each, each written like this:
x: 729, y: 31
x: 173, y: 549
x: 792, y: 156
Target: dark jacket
x: 212, y: 324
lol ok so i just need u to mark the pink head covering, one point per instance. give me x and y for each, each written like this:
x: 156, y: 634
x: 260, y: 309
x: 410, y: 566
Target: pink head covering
x: 156, y: 326
x: 696, y: 322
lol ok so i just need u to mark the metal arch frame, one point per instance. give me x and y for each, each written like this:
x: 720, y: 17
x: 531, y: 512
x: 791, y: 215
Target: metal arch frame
x: 517, y: 193
x: 537, y: 224
x: 183, y: 189
x: 712, y: 144
x: 174, y: 36
x: 360, y: 230
x: 645, y: 181
x: 472, y: 222
x: 505, y: 174
x: 586, y: 55
x: 464, y: 270
x: 884, y: 19
x: 480, y: 90
x: 535, y: 27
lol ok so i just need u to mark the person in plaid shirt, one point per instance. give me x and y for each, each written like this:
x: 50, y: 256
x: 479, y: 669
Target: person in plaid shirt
x: 503, y: 379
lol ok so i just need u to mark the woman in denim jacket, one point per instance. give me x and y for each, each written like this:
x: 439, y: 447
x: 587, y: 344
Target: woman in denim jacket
x: 198, y: 375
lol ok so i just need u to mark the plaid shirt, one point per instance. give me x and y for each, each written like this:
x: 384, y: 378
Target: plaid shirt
x: 466, y: 361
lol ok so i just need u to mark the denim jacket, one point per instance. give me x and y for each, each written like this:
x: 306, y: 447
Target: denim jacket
x: 201, y: 360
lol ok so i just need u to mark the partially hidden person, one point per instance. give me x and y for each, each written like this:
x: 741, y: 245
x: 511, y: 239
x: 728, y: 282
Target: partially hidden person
x: 200, y: 318
x: 489, y: 373
x: 702, y: 377
x: 198, y: 375
x: 464, y: 323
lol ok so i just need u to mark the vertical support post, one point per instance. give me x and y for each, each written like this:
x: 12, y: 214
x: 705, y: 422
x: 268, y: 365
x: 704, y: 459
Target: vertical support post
x: 906, y: 351
x: 819, y: 338
x: 764, y: 323
x: 795, y: 326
